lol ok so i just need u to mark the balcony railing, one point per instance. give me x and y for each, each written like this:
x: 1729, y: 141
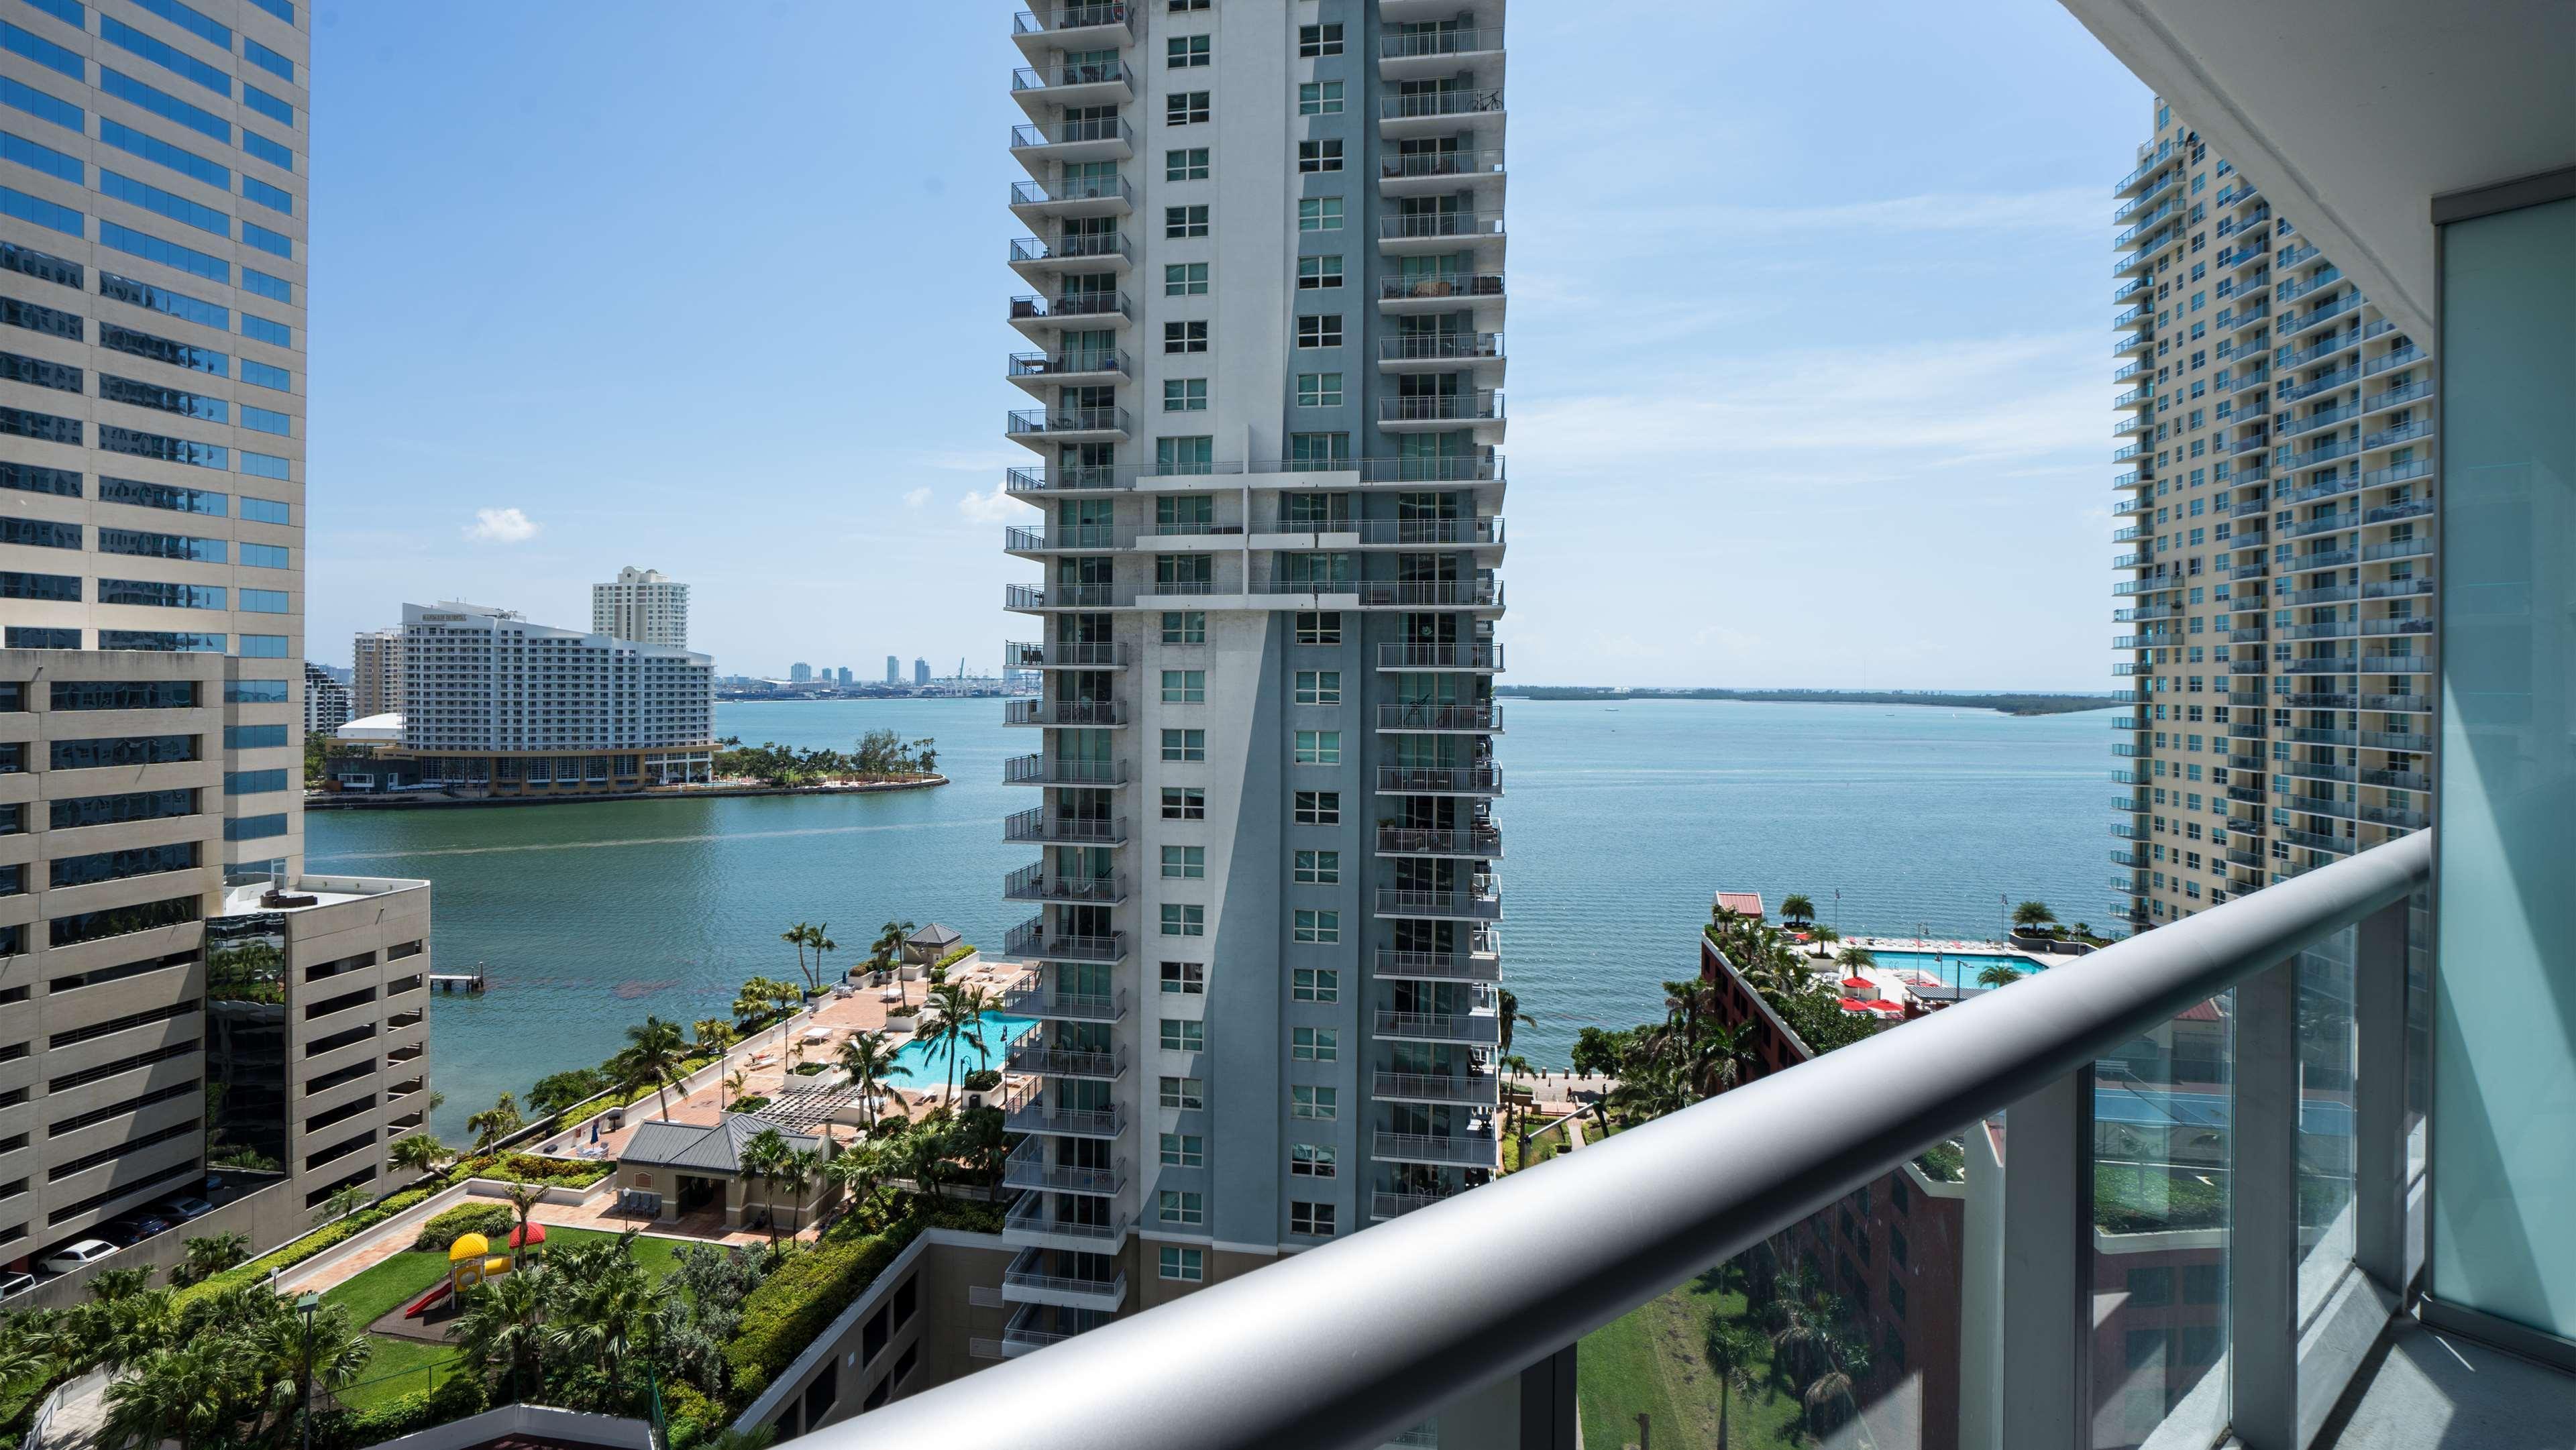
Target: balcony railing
x: 1026, y: 1167
x: 1439, y: 103
x: 1035, y: 883
x: 1479, y: 779
x: 1093, y: 713
x: 1403, y: 165
x: 1432, y: 225
x: 1403, y: 715
x: 1033, y: 825
x: 1083, y: 655
x: 1029, y: 1055
x: 1458, y: 905
x: 1071, y: 74
x: 1079, y: 304
x: 1445, y: 41
x: 1073, y: 133
x: 1474, y: 1150
x: 1072, y: 247
x: 1479, y: 657
x: 1416, y: 1087
x: 1482, y: 963
x: 1069, y: 189
x: 1416, y: 593
x: 1066, y: 420
x: 1106, y: 361
x: 1666, y: 1201
x: 1441, y: 347
x: 1043, y: 999
x: 1034, y: 939
x: 1480, y: 1028
x: 1440, y: 285
x: 1077, y: 17
x: 1478, y: 407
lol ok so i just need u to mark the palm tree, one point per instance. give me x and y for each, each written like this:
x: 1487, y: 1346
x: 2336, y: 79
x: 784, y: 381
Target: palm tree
x: 419, y: 1152
x: 2034, y: 914
x: 2084, y: 930
x: 867, y: 1058
x: 494, y: 1123
x: 1721, y: 1057
x: 108, y: 1286
x: 762, y: 1157
x: 753, y: 1000
x: 1507, y: 1009
x: 786, y: 997
x: 823, y: 946
x: 858, y: 1171
x: 1852, y: 959
x: 209, y: 1255
x: 347, y: 1201
x: 325, y: 1351
x: 1797, y: 909
x: 1822, y: 936
x: 1828, y: 1397
x: 799, y: 936
x: 925, y: 1159
x: 884, y: 951
x: 524, y: 1198
x: 731, y: 1086
x: 501, y: 1325
x: 714, y: 1035
x: 797, y: 1169
x: 656, y: 1053
x: 180, y: 1394
x: 1998, y: 975
x: 956, y: 1022
x: 1734, y: 1354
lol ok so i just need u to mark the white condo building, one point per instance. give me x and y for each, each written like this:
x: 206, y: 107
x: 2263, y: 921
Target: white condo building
x: 1261, y: 310
x: 644, y: 605
x: 326, y: 701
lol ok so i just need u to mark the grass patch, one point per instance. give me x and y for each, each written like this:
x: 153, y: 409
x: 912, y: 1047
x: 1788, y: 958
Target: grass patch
x: 398, y: 1367
x: 1650, y: 1360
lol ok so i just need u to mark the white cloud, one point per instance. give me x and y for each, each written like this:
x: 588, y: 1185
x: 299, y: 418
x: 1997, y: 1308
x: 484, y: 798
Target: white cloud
x: 502, y: 526
x: 996, y: 507
x: 916, y: 498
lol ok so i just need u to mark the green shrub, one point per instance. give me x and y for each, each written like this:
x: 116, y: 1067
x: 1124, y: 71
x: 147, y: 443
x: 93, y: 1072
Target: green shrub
x: 960, y: 953
x: 793, y: 1306
x: 531, y: 1168
x: 751, y: 1104
x: 492, y: 1220
x: 692, y: 1415
x: 806, y: 1069
x: 982, y: 1080
x: 298, y: 1250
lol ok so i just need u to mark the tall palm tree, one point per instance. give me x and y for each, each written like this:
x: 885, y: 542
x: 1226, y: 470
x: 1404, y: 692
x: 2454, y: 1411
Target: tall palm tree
x: 1734, y: 1355
x: 762, y: 1157
x: 823, y: 946
x: 1797, y: 909
x: 797, y: 1169
x: 1507, y: 1009
x: 858, y: 1171
x: 501, y: 1327
x: 1721, y: 1057
x: 1852, y: 959
x: 2034, y: 914
x: 1828, y: 1397
x: 753, y: 1000
x: 419, y: 1152
x: 655, y: 1053
x: 867, y: 1058
x: 785, y: 997
x: 925, y: 1158
x: 887, y: 951
x: 180, y: 1394
x: 955, y: 1022
x: 524, y: 1198
x: 714, y: 1035
x: 2083, y: 929
x: 494, y: 1123
x: 326, y: 1352
x: 799, y: 936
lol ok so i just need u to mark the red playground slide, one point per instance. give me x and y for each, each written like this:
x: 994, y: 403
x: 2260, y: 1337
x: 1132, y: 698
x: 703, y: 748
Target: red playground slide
x: 428, y: 1301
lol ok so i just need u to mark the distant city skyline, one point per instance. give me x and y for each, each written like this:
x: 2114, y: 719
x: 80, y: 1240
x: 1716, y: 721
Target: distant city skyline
x: 1813, y: 392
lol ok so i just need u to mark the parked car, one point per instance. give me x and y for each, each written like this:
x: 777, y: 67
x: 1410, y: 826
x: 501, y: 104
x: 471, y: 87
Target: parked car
x: 13, y: 1285
x: 180, y: 1210
x: 134, y: 1228
x: 85, y: 1252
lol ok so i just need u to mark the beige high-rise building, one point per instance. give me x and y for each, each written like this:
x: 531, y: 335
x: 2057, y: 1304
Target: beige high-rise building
x: 376, y: 676
x: 2277, y: 592
x: 642, y: 605
x: 163, y: 1014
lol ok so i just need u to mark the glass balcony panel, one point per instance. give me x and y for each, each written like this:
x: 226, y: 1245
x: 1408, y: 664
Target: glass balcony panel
x: 2162, y: 1154
x: 2329, y: 1062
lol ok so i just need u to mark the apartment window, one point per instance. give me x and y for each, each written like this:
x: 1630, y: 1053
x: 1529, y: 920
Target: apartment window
x: 1317, y: 1104
x: 1319, y: 98
x: 1319, y: 390
x: 1185, y: 337
x: 1184, y: 1150
x: 1185, y: 863
x: 1185, y: 745
x: 1319, y: 687
x: 1185, y: 221
x: 1317, y: 273
x: 1184, y: 920
x: 1184, y: 1092
x: 1179, y: 6
x: 1321, y: 330
x: 1319, y: 214
x: 1186, y: 164
x: 1315, y: 1220
x: 1185, y: 395
x: 1315, y: 984
x: 1184, y: 687
x: 1319, y: 868
x: 1182, y: 108
x: 1312, y: 925
x: 1188, y: 1266
x: 1174, y: 1205
x: 1319, y: 808
x: 1184, y: 51
x: 1184, y: 626
x: 1184, y: 1034
x: 1315, y: 1044
x: 1185, y: 979
x: 1319, y: 747
x: 1315, y: 41
x: 1184, y: 803
x: 1185, y: 279
x: 1319, y: 627
x: 1315, y: 156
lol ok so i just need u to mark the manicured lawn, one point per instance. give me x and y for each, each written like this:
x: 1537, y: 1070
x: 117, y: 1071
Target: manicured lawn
x: 403, y: 1366
x: 1650, y: 1360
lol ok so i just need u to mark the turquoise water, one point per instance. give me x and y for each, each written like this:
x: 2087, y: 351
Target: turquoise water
x: 1619, y: 822
x: 1956, y: 968
x: 917, y: 1064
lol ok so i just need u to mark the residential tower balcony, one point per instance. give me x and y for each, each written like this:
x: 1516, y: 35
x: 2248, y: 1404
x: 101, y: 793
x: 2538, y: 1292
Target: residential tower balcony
x: 1432, y: 52
x: 1445, y: 233
x: 1475, y: 1029
x: 1034, y: 882
x: 1473, y: 904
x: 1034, y: 938
x: 1481, y: 778
x: 1092, y: 25
x: 1071, y: 84
x: 1042, y: 373
x: 1474, y: 1089
x: 1039, y: 262
x: 1033, y: 1223
x: 1030, y: 1110
x: 1072, y: 196
x: 1480, y: 412
x: 1485, y: 718
x: 1479, y: 843
x: 1027, y: 1167
x: 1026, y: 1281
x: 1030, y: 1054
x: 1421, y: 173
x: 1062, y: 539
x: 1043, y: 998
x: 1040, y: 428
x: 1464, y: 1150
x: 1432, y: 113
x: 1481, y: 961
x: 1064, y: 655
x: 1035, y: 316
x: 1068, y: 142
x: 1475, y: 354
x: 1087, y: 714
x: 1036, y: 826
x: 1482, y: 658
x: 1041, y: 770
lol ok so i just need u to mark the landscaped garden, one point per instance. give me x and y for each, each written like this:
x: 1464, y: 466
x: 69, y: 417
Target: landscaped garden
x: 1656, y: 1360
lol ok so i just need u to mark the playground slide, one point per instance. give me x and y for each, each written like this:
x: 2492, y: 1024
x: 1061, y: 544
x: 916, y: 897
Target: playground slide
x: 428, y: 1301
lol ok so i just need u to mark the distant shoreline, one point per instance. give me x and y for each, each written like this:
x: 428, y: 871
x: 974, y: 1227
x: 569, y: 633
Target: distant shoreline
x: 2008, y: 703
x: 369, y: 801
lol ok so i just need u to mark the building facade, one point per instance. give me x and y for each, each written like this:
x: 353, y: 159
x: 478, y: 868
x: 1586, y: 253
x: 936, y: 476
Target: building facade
x: 152, y: 488
x: 375, y: 675
x: 894, y: 670
x: 2276, y: 599
x: 644, y: 605
x: 920, y: 672
x: 493, y: 703
x: 1262, y: 317
x: 326, y: 701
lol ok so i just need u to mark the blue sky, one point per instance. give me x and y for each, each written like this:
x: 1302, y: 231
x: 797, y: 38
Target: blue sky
x: 1810, y: 363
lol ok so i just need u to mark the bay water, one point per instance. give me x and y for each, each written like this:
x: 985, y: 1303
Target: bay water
x: 1620, y: 819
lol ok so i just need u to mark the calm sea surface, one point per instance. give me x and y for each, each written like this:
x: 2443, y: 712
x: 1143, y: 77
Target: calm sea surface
x: 1621, y: 819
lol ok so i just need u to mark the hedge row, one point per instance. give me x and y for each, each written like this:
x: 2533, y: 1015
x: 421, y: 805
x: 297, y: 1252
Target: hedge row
x: 491, y: 1220
x: 296, y: 1252
x: 531, y: 1168
x: 793, y: 1306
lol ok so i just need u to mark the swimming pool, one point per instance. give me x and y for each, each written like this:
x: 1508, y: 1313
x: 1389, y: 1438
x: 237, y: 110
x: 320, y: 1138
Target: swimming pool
x: 1958, y: 969
x: 920, y: 1064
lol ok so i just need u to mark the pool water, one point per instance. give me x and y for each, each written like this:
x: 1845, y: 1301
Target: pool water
x: 1958, y: 969
x: 920, y: 1064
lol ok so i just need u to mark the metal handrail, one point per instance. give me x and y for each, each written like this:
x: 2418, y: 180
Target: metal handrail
x: 1661, y: 1202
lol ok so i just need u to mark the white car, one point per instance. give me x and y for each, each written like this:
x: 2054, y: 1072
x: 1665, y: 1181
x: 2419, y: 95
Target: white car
x: 87, y: 1251
x: 13, y: 1285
